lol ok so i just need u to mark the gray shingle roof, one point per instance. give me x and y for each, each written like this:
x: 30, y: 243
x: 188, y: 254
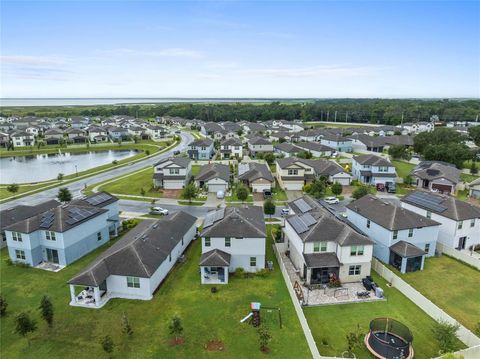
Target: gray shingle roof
x: 320, y: 166
x: 314, y: 146
x: 213, y: 170
x: 259, y: 141
x: 455, y: 209
x: 256, y: 171
x: 326, y: 227
x: 372, y: 160
x: 244, y: 222
x: 407, y: 250
x: 318, y: 260
x: 201, y: 142
x: 140, y: 252
x: 179, y: 161
x: 431, y: 170
x: 19, y: 213
x: 232, y: 142
x: 215, y: 258
x: 287, y: 147
x: 388, y: 215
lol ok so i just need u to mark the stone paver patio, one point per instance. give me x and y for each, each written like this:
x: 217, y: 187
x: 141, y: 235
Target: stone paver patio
x: 326, y: 296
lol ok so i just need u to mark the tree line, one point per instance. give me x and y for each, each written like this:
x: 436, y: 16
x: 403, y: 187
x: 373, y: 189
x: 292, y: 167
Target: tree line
x: 381, y: 111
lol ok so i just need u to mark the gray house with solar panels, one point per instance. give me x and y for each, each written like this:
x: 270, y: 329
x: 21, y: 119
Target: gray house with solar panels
x: 65, y: 233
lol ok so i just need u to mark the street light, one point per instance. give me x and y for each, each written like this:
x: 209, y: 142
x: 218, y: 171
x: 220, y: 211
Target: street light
x: 76, y: 172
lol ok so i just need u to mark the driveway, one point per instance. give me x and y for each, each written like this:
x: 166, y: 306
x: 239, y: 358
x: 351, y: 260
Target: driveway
x: 293, y: 195
x: 213, y: 201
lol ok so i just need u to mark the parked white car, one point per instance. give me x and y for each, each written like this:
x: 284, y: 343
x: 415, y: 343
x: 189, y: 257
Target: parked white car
x: 285, y: 212
x: 160, y: 210
x: 331, y: 200
x: 220, y: 194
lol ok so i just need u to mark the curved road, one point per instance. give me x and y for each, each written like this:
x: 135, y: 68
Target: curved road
x: 77, y: 186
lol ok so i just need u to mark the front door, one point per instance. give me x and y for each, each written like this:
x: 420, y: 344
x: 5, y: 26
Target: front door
x: 461, y: 243
x: 52, y: 255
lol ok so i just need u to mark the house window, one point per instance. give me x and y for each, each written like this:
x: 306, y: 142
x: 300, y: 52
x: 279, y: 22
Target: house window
x: 50, y: 236
x: 427, y: 247
x: 99, y: 236
x: 292, y: 172
x: 357, y: 250
x: 410, y: 233
x: 429, y: 214
x: 395, y: 234
x: 472, y: 222
x: 19, y: 254
x: 460, y: 225
x: 17, y: 236
x: 174, y: 171
x: 170, y: 257
x: 207, y: 242
x: 253, y: 261
x: 227, y: 242
x: 368, y: 223
x: 355, y: 270
x: 203, y: 148
x: 182, y: 241
x: 319, y: 246
x: 133, y: 282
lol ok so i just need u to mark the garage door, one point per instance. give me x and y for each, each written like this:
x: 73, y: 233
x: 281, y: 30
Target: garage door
x: 293, y: 186
x: 177, y: 184
x: 259, y: 187
x: 216, y: 187
x: 442, y: 187
x: 343, y: 181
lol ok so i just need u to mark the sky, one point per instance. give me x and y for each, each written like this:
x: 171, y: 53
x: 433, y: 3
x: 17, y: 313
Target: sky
x: 238, y: 49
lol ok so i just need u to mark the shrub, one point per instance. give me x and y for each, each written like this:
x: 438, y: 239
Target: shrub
x: 147, y: 152
x: 446, y: 336
x: 239, y: 271
x: 360, y: 192
x: 262, y: 273
x: 337, y: 188
x: 129, y: 223
x: 3, y: 306
x: 114, y: 162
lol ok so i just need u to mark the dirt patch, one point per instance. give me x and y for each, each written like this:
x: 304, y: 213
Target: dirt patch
x: 172, y: 193
x: 265, y: 350
x: 214, y: 346
x: 177, y: 341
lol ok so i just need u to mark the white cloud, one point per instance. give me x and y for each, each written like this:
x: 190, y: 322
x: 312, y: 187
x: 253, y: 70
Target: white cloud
x: 31, y: 60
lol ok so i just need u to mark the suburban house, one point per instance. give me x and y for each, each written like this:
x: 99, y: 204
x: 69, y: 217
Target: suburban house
x: 402, y: 237
x: 255, y: 175
x: 231, y: 148
x: 22, y: 139
x: 156, y: 132
x: 232, y: 237
x: 323, y: 248
x: 372, y: 169
x: 259, y: 145
x: 459, y: 220
x: 61, y: 235
x: 436, y: 176
x: 134, y: 267
x: 172, y: 173
x: 215, y: 176
x: 293, y: 173
x: 417, y: 127
x: 97, y: 134
x: 76, y: 135
x: 21, y: 212
x: 474, y: 189
x: 315, y: 148
x: 337, y: 142
x: 117, y: 133
x: 286, y: 149
x: 363, y: 142
x: 201, y: 149
x: 310, y: 135
x: 53, y: 136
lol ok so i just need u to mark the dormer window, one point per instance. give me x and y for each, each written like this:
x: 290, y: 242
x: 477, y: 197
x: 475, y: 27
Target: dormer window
x: 50, y: 236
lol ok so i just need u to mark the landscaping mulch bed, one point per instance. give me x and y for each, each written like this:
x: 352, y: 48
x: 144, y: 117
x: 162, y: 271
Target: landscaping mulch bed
x: 214, y: 346
x: 172, y: 193
x: 177, y: 341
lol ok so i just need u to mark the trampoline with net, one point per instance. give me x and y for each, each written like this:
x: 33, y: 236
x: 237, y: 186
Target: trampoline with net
x: 389, y: 339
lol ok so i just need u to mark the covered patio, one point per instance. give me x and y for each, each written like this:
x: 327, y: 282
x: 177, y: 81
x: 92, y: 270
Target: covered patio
x: 321, y: 268
x: 89, y: 297
x: 214, y: 267
x: 407, y: 257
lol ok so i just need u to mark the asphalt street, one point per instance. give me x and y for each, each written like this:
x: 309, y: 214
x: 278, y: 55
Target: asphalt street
x: 77, y: 186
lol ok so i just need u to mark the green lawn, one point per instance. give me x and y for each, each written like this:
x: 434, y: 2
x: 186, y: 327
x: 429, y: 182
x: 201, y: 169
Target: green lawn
x: 195, y: 170
x: 330, y: 324
x: 133, y: 184
x: 465, y: 177
x: 452, y: 285
x: 206, y: 316
x: 279, y: 195
x: 233, y: 197
x: 403, y: 168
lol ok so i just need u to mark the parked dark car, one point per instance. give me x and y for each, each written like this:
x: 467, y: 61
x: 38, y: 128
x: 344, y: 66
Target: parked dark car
x: 390, y: 186
x: 176, y: 152
x: 267, y: 193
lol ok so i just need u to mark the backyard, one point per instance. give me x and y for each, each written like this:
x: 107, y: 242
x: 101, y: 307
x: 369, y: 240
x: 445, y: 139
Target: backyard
x: 452, y: 285
x: 403, y: 168
x: 330, y: 324
x: 206, y: 316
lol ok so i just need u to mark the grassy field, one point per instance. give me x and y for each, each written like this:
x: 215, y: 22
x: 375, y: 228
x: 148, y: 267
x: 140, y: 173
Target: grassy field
x: 465, y: 177
x: 134, y: 184
x: 403, y: 168
x: 330, y: 324
x: 452, y: 285
x: 206, y: 316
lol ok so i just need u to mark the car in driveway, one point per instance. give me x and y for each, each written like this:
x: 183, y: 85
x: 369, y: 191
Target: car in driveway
x: 159, y: 210
x: 285, y: 211
x: 331, y: 200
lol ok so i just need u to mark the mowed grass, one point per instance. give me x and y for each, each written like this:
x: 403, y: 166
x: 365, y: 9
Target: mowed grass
x: 452, y: 285
x: 133, y: 185
x: 403, y: 168
x: 330, y: 324
x: 77, y: 331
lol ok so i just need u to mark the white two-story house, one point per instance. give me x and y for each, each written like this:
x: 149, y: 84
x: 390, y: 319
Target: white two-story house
x: 172, y: 173
x: 337, y: 142
x: 460, y: 221
x: 136, y: 265
x: 259, y: 145
x: 402, y: 237
x: 232, y: 237
x: 323, y: 248
x: 372, y: 169
x: 231, y: 148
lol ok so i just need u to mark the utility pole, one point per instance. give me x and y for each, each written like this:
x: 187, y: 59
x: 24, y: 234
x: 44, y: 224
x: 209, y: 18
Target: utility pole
x: 335, y: 116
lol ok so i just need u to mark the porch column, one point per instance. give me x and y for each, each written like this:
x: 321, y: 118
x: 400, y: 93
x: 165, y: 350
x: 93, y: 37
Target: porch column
x: 96, y: 294
x: 308, y: 275
x: 226, y: 273
x: 202, y: 274
x: 403, y: 267
x: 423, y: 262
x: 72, y: 293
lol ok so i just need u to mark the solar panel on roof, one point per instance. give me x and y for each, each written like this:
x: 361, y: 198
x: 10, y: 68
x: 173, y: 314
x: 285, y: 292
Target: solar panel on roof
x: 302, y: 205
x: 428, y: 201
x: 97, y: 199
x: 297, y: 224
x: 78, y: 214
x: 308, y: 219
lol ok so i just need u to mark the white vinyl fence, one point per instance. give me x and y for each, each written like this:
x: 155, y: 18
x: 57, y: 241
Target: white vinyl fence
x: 469, y: 353
x: 465, y: 335
x: 460, y: 255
